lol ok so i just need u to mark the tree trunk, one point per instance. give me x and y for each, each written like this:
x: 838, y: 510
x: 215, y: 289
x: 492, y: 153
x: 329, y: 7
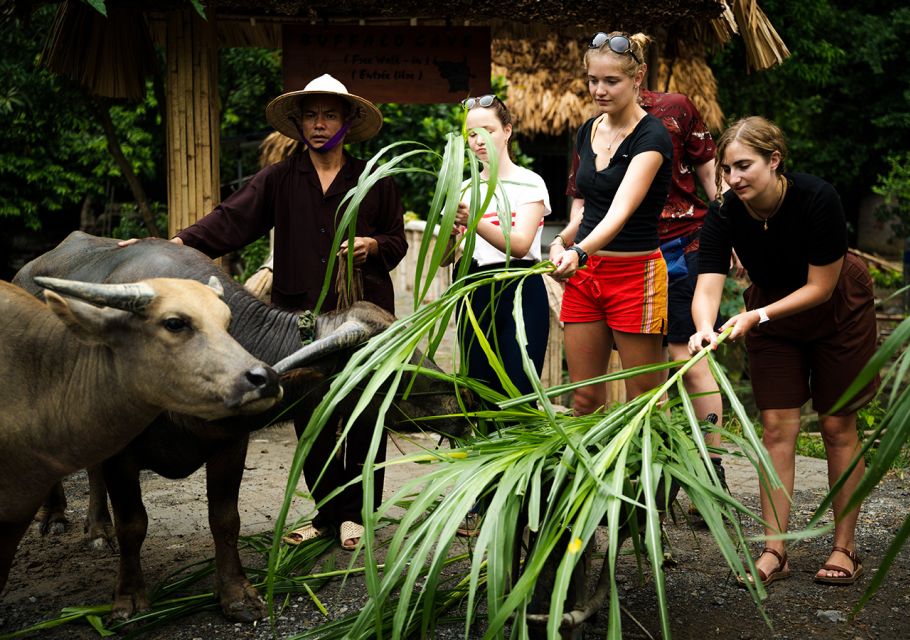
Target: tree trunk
x: 113, y: 145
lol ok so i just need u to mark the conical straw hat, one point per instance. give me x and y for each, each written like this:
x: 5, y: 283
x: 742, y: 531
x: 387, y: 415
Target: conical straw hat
x: 367, y: 119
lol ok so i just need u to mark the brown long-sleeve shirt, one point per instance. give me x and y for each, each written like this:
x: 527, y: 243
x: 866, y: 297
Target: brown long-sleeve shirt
x: 289, y: 197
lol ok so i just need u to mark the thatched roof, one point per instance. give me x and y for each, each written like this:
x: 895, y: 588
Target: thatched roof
x: 537, y: 44
x: 548, y: 93
x: 517, y: 17
x: 547, y: 90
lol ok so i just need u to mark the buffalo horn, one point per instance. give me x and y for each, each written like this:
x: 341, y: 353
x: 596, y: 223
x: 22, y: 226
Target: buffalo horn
x: 134, y: 297
x: 348, y: 334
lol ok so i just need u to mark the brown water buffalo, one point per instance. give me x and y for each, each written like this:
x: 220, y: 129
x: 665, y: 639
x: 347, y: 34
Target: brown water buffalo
x: 177, y: 445
x: 79, y: 381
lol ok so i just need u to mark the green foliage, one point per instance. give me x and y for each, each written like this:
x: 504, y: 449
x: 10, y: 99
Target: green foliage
x: 894, y: 187
x: 428, y: 124
x: 180, y: 595
x: 886, y: 278
x: 562, y: 475
x: 842, y: 100
x: 53, y: 152
x: 47, y: 154
x: 247, y: 79
x: 131, y: 225
x: 732, y: 301
x: 253, y: 255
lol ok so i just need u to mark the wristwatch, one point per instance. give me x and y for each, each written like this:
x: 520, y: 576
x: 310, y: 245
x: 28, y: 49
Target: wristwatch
x: 762, y: 315
x: 582, y: 256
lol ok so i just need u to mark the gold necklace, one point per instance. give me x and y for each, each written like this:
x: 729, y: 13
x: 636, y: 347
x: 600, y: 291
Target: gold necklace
x: 782, y: 186
x: 622, y: 133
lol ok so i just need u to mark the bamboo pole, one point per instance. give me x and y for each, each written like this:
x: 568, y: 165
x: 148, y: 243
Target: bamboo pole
x: 189, y: 107
x: 193, y: 116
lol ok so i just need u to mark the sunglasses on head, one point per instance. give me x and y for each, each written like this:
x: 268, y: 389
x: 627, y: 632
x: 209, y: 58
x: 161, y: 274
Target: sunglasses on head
x: 618, y: 44
x: 482, y: 101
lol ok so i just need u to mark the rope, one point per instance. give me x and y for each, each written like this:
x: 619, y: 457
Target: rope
x: 349, y: 290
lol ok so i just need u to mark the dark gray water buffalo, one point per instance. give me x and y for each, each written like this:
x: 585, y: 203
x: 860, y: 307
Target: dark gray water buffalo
x: 176, y: 445
x: 79, y: 381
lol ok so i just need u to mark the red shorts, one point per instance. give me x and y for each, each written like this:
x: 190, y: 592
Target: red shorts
x: 628, y: 293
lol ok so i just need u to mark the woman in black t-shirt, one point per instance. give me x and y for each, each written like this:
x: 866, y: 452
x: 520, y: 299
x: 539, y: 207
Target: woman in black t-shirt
x: 623, y: 178
x: 809, y: 328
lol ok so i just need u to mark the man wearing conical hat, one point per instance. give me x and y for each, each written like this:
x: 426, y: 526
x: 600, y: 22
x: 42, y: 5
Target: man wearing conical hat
x: 299, y: 197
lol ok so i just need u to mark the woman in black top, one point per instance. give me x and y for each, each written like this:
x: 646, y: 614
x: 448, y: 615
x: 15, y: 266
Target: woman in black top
x: 623, y: 178
x: 810, y: 324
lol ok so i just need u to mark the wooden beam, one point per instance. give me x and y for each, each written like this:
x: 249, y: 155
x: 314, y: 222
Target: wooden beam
x: 193, y: 115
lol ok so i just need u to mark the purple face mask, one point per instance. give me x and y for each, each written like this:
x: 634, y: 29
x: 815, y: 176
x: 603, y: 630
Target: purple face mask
x: 332, y: 142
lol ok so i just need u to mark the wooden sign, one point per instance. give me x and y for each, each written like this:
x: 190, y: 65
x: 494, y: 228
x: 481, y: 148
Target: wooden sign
x: 391, y: 64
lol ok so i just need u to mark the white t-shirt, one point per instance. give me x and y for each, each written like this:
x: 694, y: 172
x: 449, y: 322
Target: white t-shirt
x: 522, y: 187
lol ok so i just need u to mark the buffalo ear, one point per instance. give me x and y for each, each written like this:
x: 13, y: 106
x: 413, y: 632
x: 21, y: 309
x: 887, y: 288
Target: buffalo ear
x: 216, y: 286
x: 88, y: 322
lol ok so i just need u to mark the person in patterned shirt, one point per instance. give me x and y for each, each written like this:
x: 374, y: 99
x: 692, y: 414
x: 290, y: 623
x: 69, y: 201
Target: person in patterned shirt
x: 679, y: 228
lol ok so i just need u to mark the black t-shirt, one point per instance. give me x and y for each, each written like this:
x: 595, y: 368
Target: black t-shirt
x: 809, y: 228
x: 598, y: 188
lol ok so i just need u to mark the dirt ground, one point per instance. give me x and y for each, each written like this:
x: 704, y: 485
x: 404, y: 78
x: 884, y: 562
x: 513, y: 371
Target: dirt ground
x: 58, y: 571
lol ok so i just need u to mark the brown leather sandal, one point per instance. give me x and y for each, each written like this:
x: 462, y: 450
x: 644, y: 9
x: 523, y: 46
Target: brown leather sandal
x: 780, y: 573
x: 851, y: 576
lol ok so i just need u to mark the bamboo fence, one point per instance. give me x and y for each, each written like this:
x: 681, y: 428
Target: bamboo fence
x: 193, y: 128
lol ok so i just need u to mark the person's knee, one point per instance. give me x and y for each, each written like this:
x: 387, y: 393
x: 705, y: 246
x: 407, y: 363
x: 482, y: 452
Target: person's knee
x: 642, y: 383
x: 780, y: 431
x: 839, y: 432
x: 699, y: 379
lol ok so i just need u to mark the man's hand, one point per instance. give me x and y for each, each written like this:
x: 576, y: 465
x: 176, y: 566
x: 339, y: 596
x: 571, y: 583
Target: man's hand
x: 126, y: 243
x: 363, y: 248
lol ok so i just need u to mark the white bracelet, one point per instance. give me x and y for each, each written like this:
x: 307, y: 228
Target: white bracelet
x: 762, y: 315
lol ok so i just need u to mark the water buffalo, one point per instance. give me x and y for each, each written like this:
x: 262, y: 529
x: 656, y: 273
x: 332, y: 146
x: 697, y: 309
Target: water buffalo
x: 79, y: 381
x: 176, y: 445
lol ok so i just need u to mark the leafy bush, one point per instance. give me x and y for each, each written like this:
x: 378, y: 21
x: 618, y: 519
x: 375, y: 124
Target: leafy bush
x: 428, y: 124
x: 894, y: 187
x: 886, y: 278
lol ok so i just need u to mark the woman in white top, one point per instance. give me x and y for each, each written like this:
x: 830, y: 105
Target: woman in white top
x: 525, y: 193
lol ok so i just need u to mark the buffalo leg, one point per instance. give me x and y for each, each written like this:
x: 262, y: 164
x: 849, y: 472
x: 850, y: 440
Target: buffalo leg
x: 131, y: 520
x: 239, y: 599
x: 98, y: 528
x: 10, y: 535
x: 51, y: 517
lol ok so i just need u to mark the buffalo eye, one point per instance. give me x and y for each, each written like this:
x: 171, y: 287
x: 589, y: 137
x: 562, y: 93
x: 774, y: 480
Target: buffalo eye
x: 175, y: 324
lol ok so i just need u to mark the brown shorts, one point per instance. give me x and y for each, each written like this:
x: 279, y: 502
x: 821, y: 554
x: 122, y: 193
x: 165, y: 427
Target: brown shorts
x: 816, y: 353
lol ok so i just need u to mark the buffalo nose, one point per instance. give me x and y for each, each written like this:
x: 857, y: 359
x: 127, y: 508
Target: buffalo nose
x: 264, y: 379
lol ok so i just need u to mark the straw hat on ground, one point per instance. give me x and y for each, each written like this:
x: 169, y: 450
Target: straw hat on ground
x: 366, y: 119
